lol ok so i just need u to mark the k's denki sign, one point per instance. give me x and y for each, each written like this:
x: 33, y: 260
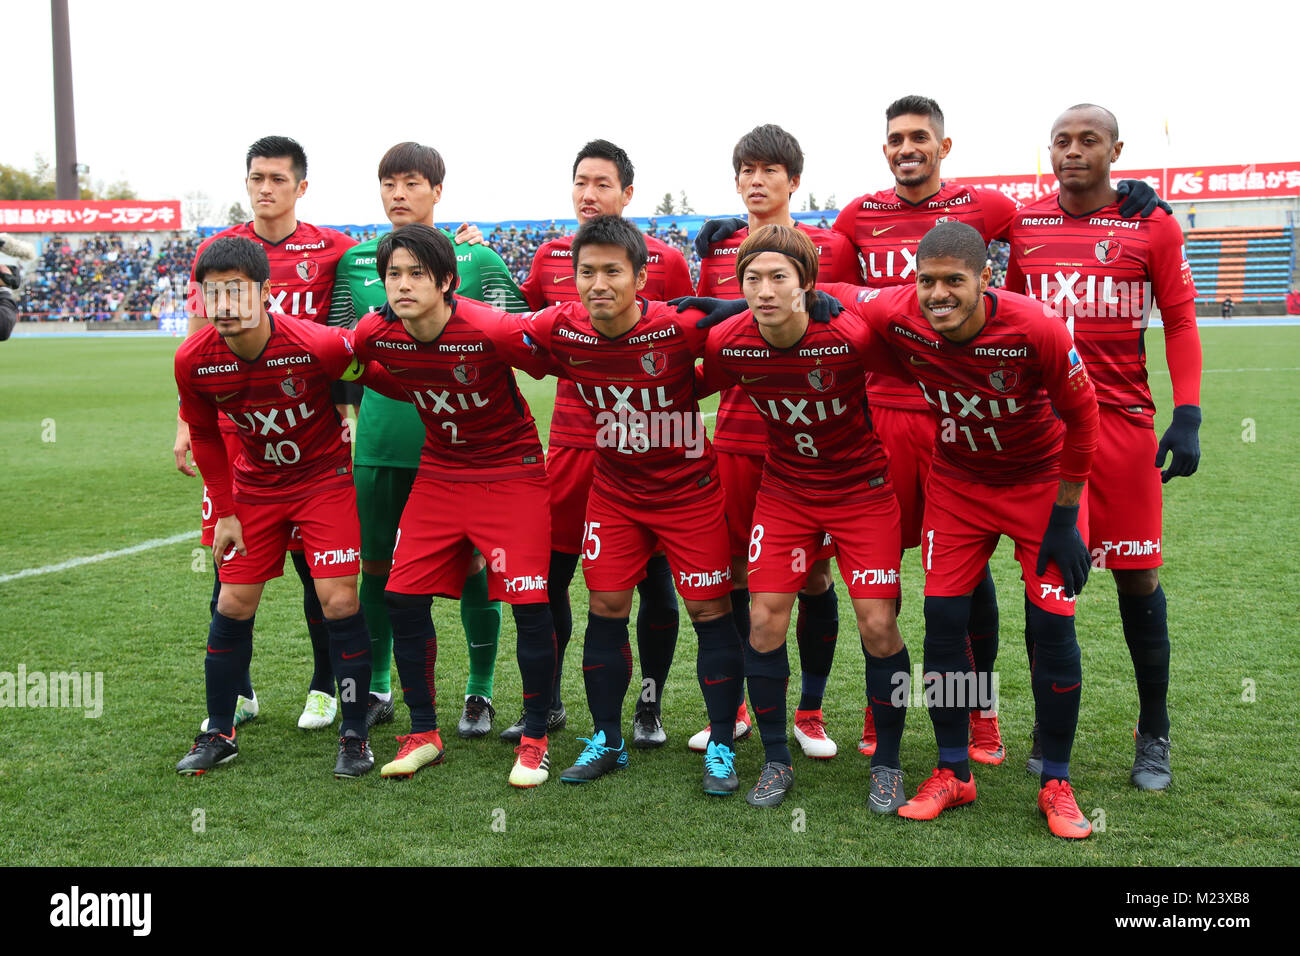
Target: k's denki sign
x: 1177, y: 183
x: 89, y: 215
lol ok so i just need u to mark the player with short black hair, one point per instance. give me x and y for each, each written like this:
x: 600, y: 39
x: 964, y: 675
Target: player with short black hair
x: 768, y: 162
x: 1076, y: 253
x: 602, y: 185
x: 655, y: 484
x: 390, y: 435
x: 1017, y: 430
x: 454, y: 357
x: 292, y: 472
x: 302, y: 260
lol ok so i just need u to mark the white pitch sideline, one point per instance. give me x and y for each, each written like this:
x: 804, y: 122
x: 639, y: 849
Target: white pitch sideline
x: 104, y: 556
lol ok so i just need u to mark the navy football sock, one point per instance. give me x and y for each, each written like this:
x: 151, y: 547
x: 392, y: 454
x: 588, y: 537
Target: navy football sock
x: 767, y: 675
x: 607, y: 672
x: 983, y: 630
x: 557, y: 594
x: 245, y: 681
x: 656, y: 629
x: 1146, y: 630
x: 415, y: 648
x: 740, y: 612
x: 888, y: 686
x: 535, y: 651
x: 350, y: 650
x: 950, y: 674
x: 1057, y: 681
x: 816, y: 629
x: 720, y: 667
x: 230, y: 648
x: 322, y: 675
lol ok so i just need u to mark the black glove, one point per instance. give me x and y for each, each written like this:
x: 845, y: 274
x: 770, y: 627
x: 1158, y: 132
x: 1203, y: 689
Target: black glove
x: 715, y: 230
x: 719, y: 310
x: 11, y: 275
x: 1063, y: 544
x: 822, y: 307
x: 1181, y: 438
x: 1138, y: 199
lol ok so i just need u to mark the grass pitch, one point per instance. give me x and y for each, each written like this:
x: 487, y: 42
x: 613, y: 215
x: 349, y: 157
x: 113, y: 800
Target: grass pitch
x: 87, y: 427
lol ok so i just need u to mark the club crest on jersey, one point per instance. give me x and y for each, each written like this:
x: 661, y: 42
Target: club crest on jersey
x: 821, y: 378
x: 945, y: 219
x: 307, y: 270
x: 1107, y: 251
x: 465, y: 374
x: 1004, y: 379
x: 293, y: 386
x: 654, y: 363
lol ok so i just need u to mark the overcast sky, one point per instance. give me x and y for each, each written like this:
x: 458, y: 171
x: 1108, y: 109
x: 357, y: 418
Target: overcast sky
x: 169, y: 95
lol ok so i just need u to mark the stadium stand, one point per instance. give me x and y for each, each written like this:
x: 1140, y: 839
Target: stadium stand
x: 1250, y: 264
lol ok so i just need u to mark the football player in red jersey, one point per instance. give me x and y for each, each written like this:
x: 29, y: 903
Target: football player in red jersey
x: 302, y: 261
x: 602, y: 186
x: 824, y: 472
x: 768, y: 162
x: 655, y: 484
x: 1103, y: 273
x: 1017, y: 430
x: 454, y: 357
x: 272, y: 376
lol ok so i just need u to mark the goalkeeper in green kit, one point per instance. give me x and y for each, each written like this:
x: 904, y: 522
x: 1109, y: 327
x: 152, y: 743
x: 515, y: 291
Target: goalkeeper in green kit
x: 390, y: 435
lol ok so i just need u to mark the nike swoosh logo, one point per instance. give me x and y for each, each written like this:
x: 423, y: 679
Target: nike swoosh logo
x: 917, y: 361
x: 1064, y: 690
x: 747, y: 380
x: 213, y: 650
x: 225, y: 398
x: 348, y: 657
x: 725, y: 279
x: 373, y: 281
x: 881, y: 232
x: 720, y: 680
x: 560, y: 278
x: 528, y: 696
x: 760, y: 710
x: 574, y: 361
x: 488, y: 644
x: 882, y: 703
x: 1029, y: 249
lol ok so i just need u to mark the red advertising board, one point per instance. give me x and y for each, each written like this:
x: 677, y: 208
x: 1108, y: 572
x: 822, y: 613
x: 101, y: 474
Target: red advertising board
x: 88, y: 215
x: 1176, y: 184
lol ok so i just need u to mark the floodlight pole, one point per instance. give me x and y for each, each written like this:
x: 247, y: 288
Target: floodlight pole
x: 66, y: 183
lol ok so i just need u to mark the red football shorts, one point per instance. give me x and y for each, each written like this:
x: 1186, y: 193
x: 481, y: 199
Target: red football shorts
x: 444, y: 521
x: 622, y: 535
x: 908, y: 436
x: 331, y: 537
x: 740, y: 475
x: 1125, y: 494
x: 569, y: 471
x: 788, y: 533
x: 965, y: 519
x: 208, y: 520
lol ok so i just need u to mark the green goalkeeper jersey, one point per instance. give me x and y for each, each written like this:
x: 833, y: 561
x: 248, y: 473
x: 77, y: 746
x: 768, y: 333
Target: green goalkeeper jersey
x: 390, y: 433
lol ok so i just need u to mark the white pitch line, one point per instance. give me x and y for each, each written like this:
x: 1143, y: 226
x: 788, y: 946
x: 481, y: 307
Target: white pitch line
x: 104, y: 556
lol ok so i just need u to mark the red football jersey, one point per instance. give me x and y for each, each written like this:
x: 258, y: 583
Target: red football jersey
x: 886, y: 229
x: 302, y: 269
x: 290, y: 434
x: 478, y: 427
x: 811, y: 399
x: 550, y: 282
x: 1102, y: 273
x: 740, y: 429
x: 997, y: 397
x: 639, y: 392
